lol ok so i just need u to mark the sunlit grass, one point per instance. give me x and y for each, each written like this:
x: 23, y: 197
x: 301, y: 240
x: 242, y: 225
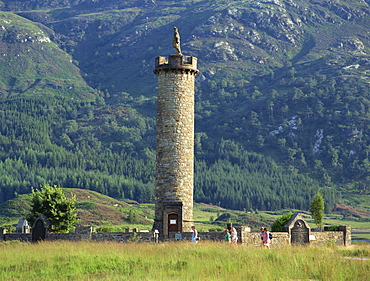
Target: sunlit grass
x: 85, y: 260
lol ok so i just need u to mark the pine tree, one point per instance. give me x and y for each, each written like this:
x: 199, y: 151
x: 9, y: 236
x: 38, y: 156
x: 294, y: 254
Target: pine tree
x: 317, y: 209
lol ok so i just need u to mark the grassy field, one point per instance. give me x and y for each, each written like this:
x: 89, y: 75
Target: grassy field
x: 179, y: 261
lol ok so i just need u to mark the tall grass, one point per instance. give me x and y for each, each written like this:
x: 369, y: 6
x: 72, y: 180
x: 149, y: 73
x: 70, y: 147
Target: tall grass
x: 85, y: 260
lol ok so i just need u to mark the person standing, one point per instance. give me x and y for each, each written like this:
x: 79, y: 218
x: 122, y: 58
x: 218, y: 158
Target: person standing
x: 262, y: 232
x: 266, y: 238
x: 156, y: 235
x: 227, y: 236
x: 234, y: 236
x: 194, y: 236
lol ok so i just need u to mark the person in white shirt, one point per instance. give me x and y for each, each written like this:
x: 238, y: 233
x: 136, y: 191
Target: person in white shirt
x: 194, y: 236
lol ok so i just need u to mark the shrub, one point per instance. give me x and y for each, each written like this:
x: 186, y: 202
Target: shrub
x: 280, y: 222
x: 331, y: 228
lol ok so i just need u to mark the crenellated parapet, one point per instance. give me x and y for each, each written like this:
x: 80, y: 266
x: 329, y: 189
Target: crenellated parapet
x: 178, y: 62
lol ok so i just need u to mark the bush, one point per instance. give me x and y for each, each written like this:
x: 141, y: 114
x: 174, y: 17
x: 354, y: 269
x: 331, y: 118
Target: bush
x: 331, y: 228
x: 278, y: 225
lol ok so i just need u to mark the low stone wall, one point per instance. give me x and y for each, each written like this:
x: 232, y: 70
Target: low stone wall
x: 327, y: 237
x: 253, y: 239
x: 23, y: 237
x: 86, y: 233
x: 247, y: 238
x: 123, y: 236
x: 93, y: 236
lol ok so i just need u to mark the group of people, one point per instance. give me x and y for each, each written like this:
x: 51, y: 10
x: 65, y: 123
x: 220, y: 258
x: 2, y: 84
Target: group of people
x: 265, y: 238
x: 231, y: 235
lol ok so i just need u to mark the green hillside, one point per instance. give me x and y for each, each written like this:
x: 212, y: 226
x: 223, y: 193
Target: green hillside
x: 107, y: 214
x: 92, y: 209
x: 33, y: 65
x: 282, y: 99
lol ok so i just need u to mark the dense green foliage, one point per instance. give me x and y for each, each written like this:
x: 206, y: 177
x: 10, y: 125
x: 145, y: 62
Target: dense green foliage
x: 236, y: 179
x: 282, y: 101
x: 53, y: 204
x: 57, y: 141
x: 281, y: 221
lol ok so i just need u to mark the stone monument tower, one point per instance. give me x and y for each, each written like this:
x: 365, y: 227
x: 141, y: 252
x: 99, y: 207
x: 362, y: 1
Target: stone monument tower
x: 175, y: 141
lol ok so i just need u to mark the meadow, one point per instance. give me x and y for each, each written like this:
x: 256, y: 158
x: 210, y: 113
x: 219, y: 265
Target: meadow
x: 84, y: 260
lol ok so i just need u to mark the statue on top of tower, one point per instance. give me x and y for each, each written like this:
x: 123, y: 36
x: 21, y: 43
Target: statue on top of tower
x: 176, y: 40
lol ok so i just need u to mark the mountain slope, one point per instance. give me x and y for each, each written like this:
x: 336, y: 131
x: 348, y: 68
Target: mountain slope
x: 286, y: 80
x: 33, y: 65
x: 248, y: 38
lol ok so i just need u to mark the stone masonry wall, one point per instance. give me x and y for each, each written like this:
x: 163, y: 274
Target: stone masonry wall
x: 253, y: 239
x: 327, y: 237
x: 175, y: 138
x: 23, y: 237
x: 246, y: 238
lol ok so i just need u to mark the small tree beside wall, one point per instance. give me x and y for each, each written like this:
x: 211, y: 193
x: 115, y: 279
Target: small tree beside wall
x: 317, y: 209
x: 59, y: 210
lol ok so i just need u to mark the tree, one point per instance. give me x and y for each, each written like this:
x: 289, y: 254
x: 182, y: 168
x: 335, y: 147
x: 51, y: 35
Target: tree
x: 59, y: 210
x: 278, y: 225
x: 317, y: 209
x: 132, y: 217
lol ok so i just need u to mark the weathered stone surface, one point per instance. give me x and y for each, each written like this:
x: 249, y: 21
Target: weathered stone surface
x: 175, y: 142
x: 246, y: 238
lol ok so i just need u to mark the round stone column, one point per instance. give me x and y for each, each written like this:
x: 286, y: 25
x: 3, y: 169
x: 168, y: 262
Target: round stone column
x: 175, y: 144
